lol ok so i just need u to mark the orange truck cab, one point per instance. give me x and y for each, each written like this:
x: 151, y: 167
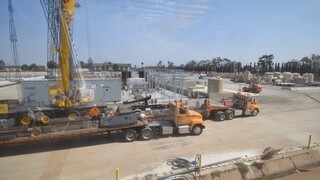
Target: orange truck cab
x: 185, y: 119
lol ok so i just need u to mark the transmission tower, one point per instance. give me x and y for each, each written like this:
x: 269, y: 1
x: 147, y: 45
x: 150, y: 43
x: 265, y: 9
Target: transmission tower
x: 14, y: 40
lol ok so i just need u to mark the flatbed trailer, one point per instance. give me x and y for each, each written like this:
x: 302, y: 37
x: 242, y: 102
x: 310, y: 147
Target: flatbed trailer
x: 35, y: 135
x: 132, y: 126
x: 243, y: 104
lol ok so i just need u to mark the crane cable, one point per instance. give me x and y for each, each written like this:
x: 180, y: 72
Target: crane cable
x: 87, y: 27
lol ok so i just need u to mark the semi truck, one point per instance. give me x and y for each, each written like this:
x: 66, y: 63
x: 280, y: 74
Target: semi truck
x: 242, y: 104
x: 178, y: 120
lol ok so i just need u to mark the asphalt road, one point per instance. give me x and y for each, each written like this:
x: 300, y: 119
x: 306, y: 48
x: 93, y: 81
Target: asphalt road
x: 286, y: 120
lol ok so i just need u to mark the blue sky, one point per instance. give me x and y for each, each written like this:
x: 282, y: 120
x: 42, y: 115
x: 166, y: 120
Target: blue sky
x: 151, y: 30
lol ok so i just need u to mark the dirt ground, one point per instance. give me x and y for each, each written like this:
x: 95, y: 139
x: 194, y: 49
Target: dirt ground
x: 286, y: 120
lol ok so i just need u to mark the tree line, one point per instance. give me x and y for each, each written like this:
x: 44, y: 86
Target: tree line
x: 262, y: 65
x: 24, y: 67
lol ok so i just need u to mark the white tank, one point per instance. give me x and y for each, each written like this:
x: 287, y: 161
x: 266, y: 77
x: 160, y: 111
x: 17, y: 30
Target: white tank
x: 309, y: 76
x: 287, y: 75
x: 296, y: 75
x: 268, y: 76
x: 277, y: 75
x: 215, y: 85
x: 246, y: 76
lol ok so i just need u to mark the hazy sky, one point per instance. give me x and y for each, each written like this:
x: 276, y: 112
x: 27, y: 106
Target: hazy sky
x: 133, y: 31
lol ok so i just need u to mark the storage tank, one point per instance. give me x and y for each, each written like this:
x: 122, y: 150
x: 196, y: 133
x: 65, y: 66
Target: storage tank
x: 309, y: 76
x: 301, y: 80
x: 296, y: 75
x: 277, y: 75
x: 269, y: 76
x: 287, y: 75
x: 246, y: 76
x: 215, y: 85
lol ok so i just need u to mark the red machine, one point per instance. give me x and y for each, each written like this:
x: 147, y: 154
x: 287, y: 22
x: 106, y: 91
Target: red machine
x: 254, y: 88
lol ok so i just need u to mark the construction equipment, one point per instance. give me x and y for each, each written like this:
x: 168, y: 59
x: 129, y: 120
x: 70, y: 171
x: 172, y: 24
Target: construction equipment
x: 179, y: 120
x: 23, y: 124
x: 254, y: 88
x: 65, y: 101
x: 60, y: 18
x: 243, y: 104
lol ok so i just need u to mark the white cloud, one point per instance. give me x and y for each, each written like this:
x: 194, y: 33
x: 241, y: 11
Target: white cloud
x: 176, y: 14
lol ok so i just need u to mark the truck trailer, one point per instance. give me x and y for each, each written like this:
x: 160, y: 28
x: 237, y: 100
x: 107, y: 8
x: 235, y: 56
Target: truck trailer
x: 132, y: 126
x: 242, y: 104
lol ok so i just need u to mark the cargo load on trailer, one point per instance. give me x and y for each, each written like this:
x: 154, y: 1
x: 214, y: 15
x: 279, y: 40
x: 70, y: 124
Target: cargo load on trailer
x: 178, y: 119
x: 242, y: 104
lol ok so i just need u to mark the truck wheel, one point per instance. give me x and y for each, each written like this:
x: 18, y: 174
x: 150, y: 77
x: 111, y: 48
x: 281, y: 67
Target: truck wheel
x: 196, y: 130
x: 73, y: 115
x: 25, y: 121
x: 146, y: 134
x: 229, y: 115
x: 130, y: 135
x: 221, y: 116
x: 255, y: 112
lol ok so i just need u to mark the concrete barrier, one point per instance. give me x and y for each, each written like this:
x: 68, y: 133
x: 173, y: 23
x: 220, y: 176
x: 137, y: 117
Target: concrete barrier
x: 284, y: 163
x: 307, y: 159
x: 299, y: 88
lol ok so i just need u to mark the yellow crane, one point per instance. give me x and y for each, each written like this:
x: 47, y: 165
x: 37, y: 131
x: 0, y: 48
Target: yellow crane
x: 63, y: 95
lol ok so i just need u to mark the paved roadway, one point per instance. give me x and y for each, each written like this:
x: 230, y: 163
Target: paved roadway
x: 286, y: 120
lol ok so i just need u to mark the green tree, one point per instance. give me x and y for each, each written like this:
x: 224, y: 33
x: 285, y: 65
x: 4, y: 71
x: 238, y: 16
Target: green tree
x: 90, y: 64
x: 82, y: 64
x: 170, y: 64
x: 109, y: 66
x: 254, y: 70
x: 115, y: 67
x: 238, y: 66
x: 265, y: 63
x: 33, y: 67
x: 24, y: 67
x: 159, y: 65
x: 2, y: 63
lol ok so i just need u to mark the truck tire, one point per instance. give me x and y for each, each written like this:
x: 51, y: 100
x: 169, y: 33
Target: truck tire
x: 130, y: 135
x: 197, y: 130
x: 221, y: 116
x: 146, y: 134
x: 229, y: 115
x: 73, y: 115
x: 25, y: 121
x: 255, y: 112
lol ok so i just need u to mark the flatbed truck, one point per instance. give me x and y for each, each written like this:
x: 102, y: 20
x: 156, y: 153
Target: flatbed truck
x: 132, y: 126
x: 242, y: 104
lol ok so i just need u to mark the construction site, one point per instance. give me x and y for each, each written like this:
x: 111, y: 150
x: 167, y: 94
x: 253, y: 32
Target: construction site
x: 147, y: 123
